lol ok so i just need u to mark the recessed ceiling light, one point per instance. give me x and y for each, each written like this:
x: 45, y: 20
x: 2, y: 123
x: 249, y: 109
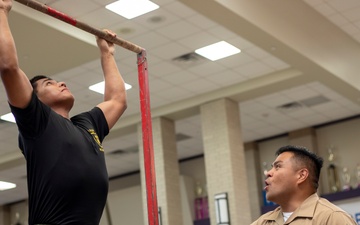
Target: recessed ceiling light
x: 218, y: 50
x: 6, y: 185
x: 100, y: 87
x: 131, y: 8
x: 8, y: 117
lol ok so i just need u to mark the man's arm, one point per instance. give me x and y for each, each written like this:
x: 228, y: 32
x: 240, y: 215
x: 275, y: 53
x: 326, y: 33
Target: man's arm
x: 17, y: 85
x: 114, y: 103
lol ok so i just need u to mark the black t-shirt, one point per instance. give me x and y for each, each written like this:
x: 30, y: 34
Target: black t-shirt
x: 66, y: 171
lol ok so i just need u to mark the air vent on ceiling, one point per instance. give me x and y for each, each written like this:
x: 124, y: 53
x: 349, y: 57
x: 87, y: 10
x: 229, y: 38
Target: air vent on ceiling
x: 188, y: 60
x: 288, y: 107
x: 181, y: 137
x: 309, y: 102
x: 131, y: 150
x: 118, y: 152
x: 314, y: 101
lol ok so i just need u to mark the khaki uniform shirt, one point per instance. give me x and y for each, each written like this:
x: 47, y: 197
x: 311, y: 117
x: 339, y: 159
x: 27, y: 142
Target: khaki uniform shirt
x: 313, y: 211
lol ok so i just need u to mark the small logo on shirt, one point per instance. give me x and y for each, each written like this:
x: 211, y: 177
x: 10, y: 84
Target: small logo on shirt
x: 96, y: 138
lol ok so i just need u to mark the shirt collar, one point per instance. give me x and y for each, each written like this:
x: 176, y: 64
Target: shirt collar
x: 306, y: 209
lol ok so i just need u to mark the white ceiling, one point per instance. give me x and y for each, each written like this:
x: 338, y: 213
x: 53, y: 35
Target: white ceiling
x: 294, y: 53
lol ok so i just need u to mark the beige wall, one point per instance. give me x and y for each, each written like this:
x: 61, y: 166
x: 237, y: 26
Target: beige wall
x: 4, y: 215
x: 126, y: 206
x: 268, y: 148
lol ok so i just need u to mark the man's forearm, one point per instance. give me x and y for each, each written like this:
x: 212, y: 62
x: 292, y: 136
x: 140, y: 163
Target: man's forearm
x: 114, y: 83
x: 8, y: 54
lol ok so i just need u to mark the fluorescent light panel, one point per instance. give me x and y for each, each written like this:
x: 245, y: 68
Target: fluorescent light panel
x: 100, y: 87
x: 131, y: 8
x: 8, y: 117
x: 218, y: 50
x: 6, y: 185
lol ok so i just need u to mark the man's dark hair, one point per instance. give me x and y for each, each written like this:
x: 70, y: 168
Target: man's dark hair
x: 36, y: 78
x: 307, y: 158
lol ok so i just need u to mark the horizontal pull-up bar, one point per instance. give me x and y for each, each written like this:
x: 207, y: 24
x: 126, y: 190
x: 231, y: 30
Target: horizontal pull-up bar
x: 67, y: 19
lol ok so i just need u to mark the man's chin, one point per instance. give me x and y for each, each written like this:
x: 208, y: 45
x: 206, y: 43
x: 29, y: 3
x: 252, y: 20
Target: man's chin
x: 268, y: 197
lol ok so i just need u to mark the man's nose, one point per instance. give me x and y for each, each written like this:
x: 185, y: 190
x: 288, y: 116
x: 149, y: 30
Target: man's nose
x: 268, y: 173
x: 62, y: 84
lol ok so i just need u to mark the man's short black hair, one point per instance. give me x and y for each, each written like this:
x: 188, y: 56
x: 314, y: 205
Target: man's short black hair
x: 312, y: 161
x: 36, y: 78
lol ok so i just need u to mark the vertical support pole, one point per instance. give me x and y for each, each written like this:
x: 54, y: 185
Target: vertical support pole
x: 147, y: 139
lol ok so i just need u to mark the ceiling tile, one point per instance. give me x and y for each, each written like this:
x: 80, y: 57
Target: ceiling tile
x: 179, y: 9
x: 77, y: 9
x: 274, y: 100
x: 254, y: 69
x: 175, y: 94
x: 221, y: 32
x: 177, y: 30
x: 226, y: 77
x: 68, y: 74
x: 159, y: 85
x: 240, y: 43
x: 251, y: 106
x: 201, y: 21
x: 257, y: 53
x: 150, y: 40
x: 158, y: 100
x: 301, y: 112
x: 162, y: 2
x: 163, y: 69
x: 198, y: 40
x: 236, y: 60
x: 156, y: 19
x: 313, y: 119
x: 300, y: 93
x: 199, y: 86
x: 170, y: 51
x: 108, y: 18
x: 207, y: 68
x: 324, y: 107
x: 291, y: 125
x: 87, y: 78
x: 129, y: 29
x: 101, y: 2
x: 275, y: 63
x: 179, y: 78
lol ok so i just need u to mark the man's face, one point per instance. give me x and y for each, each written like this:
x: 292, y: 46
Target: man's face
x: 281, y: 179
x: 52, y: 92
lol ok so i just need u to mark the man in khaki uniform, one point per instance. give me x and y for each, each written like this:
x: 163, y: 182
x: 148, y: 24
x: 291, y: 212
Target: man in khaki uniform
x: 292, y: 184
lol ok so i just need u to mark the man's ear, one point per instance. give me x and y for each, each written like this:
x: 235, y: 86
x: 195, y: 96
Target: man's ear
x: 303, y: 174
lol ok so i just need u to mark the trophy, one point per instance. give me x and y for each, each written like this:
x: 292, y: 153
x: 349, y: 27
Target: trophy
x: 357, y: 175
x: 346, y: 178
x: 198, y: 189
x: 265, y: 169
x: 333, y: 178
x: 201, y: 202
x: 17, y: 216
